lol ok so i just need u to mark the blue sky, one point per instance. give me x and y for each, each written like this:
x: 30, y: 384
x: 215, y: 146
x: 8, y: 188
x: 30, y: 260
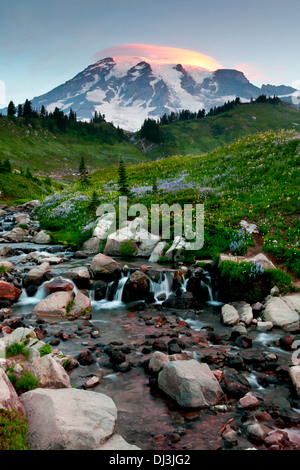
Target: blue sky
x: 45, y: 43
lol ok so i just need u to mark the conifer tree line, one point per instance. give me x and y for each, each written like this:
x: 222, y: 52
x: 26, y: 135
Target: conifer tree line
x: 58, y: 120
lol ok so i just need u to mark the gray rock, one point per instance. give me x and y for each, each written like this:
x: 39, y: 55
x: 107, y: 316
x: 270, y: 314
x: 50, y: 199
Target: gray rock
x: 283, y: 311
x: 230, y: 315
x: 190, y: 383
x: 76, y: 419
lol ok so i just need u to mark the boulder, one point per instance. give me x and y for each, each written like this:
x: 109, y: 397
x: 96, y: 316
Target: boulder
x: 135, y: 232
x: 157, y: 252
x: 80, y: 276
x: 16, y: 235
x: 104, y: 225
x: 7, y: 265
x: 104, y: 267
x: 283, y: 312
x: 245, y: 312
x: 137, y: 287
x: 8, y: 292
x: 158, y: 360
x: 91, y: 246
x: 8, y: 397
x: 229, y: 315
x: 50, y: 373
x: 58, y: 303
x: 22, y: 218
x: 295, y: 377
x: 58, y: 285
x: 116, y: 442
x: 42, y: 238
x: 76, y: 419
x: 80, y: 308
x: 190, y: 384
x: 37, y: 276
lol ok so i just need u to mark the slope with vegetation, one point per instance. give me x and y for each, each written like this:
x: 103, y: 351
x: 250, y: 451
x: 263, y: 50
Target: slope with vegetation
x: 254, y: 179
x: 54, y: 144
x: 186, y: 134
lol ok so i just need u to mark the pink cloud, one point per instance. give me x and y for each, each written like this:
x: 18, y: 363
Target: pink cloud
x: 161, y: 54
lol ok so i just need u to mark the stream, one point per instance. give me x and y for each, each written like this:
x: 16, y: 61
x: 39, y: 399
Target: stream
x: 147, y: 417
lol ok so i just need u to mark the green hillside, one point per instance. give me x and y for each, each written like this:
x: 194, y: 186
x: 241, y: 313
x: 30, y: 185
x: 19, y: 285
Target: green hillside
x: 58, y: 154
x: 254, y: 179
x: 212, y: 132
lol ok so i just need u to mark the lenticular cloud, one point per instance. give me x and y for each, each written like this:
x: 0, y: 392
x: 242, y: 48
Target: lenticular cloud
x: 163, y: 55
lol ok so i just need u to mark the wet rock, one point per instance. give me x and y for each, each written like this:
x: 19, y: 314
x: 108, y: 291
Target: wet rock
x: 277, y: 438
x: 244, y: 341
x: 16, y: 235
x: 286, y: 342
x: 229, y: 315
x: 100, y: 288
x: 235, y: 385
x: 158, y: 360
x: 36, y: 276
x: 57, y: 285
x: 8, y: 292
x: 249, y: 401
x: 283, y: 312
x: 190, y: 383
x: 55, y: 304
x: 105, y: 268
x: 86, y: 357
x: 80, y: 276
x: 185, y: 300
x: 137, y: 287
x: 256, y: 433
x: 42, y: 238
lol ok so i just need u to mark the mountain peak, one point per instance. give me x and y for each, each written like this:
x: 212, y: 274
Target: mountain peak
x: 130, y: 88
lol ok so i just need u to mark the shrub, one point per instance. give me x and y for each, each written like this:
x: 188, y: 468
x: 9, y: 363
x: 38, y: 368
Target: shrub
x: 128, y: 248
x: 13, y: 430
x: 23, y: 380
x: 15, y: 349
x: 249, y: 281
x: 45, y: 349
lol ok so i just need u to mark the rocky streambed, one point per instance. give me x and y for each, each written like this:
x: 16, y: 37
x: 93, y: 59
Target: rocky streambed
x: 183, y: 370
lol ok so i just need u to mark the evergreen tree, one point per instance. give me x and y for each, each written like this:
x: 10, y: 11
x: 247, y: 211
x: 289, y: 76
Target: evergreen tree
x: 83, y: 173
x: 122, y: 181
x: 154, y: 186
x: 43, y: 112
x: 27, y: 109
x: 20, y: 110
x: 94, y: 202
x: 11, y: 109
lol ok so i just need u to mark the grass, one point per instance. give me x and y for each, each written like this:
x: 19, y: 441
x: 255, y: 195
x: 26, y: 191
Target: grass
x: 206, y: 135
x: 58, y: 154
x: 254, y: 179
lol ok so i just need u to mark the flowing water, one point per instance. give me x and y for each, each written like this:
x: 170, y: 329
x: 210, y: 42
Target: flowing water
x: 147, y: 417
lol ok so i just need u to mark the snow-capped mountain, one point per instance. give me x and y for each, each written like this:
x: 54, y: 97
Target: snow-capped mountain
x: 129, y: 89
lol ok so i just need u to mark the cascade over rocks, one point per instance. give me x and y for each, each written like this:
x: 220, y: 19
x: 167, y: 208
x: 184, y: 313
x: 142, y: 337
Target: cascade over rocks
x: 137, y: 287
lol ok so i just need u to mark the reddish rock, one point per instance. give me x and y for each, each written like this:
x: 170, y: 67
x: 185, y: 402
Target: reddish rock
x: 6, y: 330
x: 57, y: 285
x: 218, y: 374
x: 249, y: 402
x: 9, y: 292
x: 143, y: 268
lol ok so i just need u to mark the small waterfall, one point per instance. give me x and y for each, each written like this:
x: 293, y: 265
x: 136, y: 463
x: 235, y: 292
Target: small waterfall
x: 163, y: 288
x: 208, y: 284
x: 117, y: 296
x: 41, y: 293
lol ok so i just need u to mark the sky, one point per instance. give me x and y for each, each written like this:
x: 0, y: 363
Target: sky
x: 45, y: 43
